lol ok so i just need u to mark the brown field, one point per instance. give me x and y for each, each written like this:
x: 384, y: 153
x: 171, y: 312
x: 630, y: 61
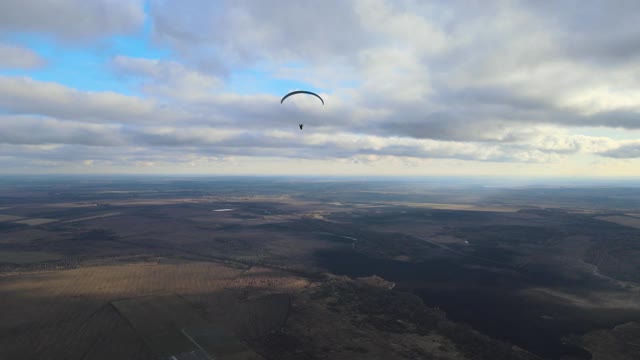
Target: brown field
x: 9, y: 217
x: 154, y: 202
x: 459, y: 207
x: 92, y: 217
x: 68, y: 205
x: 74, y: 287
x: 63, y: 314
x: 170, y: 326
x: 622, y: 220
x: 620, y: 343
x: 593, y: 300
x: 35, y: 221
x: 35, y: 306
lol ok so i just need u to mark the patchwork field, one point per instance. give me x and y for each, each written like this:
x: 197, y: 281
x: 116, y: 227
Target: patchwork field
x: 171, y: 327
x: 34, y: 306
x: 630, y: 221
x: 273, y: 268
x: 34, y: 222
x: 27, y: 257
x: 4, y: 217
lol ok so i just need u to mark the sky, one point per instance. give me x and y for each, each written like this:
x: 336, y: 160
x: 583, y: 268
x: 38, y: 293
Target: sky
x: 412, y: 87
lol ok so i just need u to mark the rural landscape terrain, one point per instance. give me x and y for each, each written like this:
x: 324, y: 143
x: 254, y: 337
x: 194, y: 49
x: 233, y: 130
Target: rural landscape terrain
x: 310, y: 268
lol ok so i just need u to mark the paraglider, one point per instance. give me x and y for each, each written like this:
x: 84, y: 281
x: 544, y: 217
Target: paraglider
x: 301, y: 92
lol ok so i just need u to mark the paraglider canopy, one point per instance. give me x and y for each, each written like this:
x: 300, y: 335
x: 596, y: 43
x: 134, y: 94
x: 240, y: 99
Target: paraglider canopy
x: 301, y: 92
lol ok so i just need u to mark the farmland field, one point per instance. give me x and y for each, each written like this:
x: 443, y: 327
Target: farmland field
x: 315, y: 269
x: 630, y: 221
x: 171, y: 327
x: 27, y: 257
x: 34, y: 305
x: 35, y: 221
x: 4, y: 217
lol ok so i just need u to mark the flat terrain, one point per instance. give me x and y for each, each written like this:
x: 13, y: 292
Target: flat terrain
x: 275, y: 266
x: 631, y: 221
x: 4, y: 217
x: 45, y: 314
x: 27, y: 257
x: 35, y: 221
x: 173, y: 328
x: 619, y: 343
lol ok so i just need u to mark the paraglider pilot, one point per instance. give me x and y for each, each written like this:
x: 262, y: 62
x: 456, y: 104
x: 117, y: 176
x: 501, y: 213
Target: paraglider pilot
x: 301, y: 92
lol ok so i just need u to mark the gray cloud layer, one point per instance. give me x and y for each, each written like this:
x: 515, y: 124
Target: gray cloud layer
x: 624, y: 152
x: 490, y: 81
x: 21, y: 95
x: 71, y: 19
x: 485, y: 63
x: 17, y: 57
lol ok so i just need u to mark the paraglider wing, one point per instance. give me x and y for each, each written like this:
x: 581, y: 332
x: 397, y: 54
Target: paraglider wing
x: 301, y: 92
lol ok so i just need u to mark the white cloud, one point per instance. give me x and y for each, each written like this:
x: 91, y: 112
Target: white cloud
x: 483, y: 63
x: 71, y: 19
x: 145, y: 140
x: 23, y: 95
x: 406, y: 83
x: 17, y: 57
x: 29, y: 130
x: 168, y: 78
x: 630, y: 150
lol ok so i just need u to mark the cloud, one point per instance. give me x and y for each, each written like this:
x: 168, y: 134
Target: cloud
x: 482, y: 65
x: 167, y: 78
x: 17, y: 57
x: 242, y: 32
x: 71, y: 20
x: 628, y: 151
x: 149, y: 140
x: 501, y: 82
x: 28, y: 130
x: 22, y: 95
x: 599, y: 31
